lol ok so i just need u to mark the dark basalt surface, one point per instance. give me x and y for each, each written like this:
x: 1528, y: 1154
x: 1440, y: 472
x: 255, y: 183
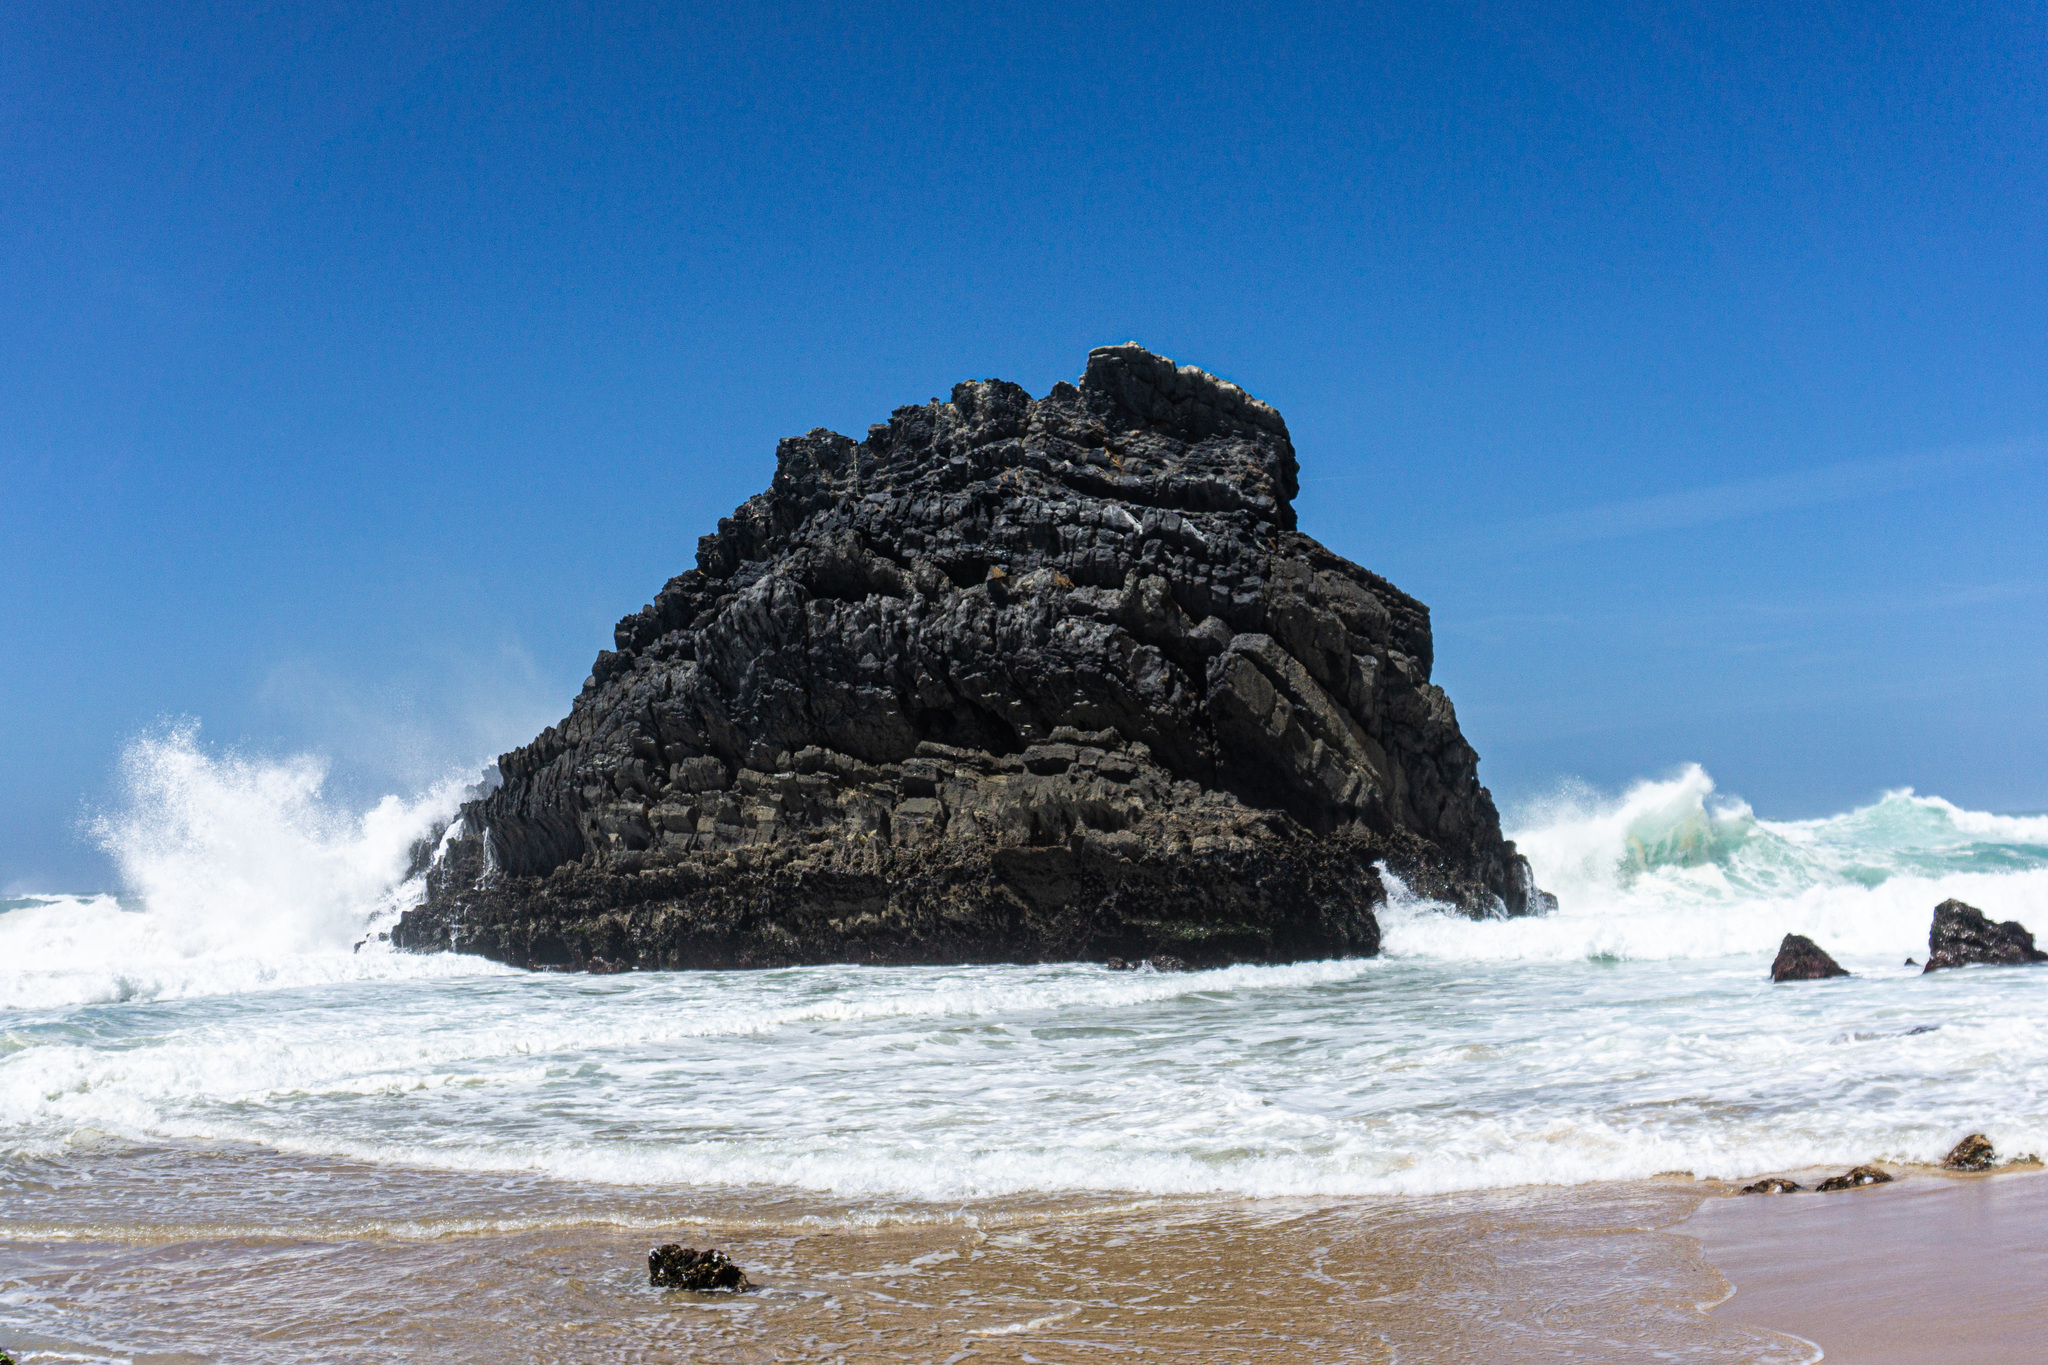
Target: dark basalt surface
x: 1009, y: 680
x: 1801, y: 959
x: 1962, y: 935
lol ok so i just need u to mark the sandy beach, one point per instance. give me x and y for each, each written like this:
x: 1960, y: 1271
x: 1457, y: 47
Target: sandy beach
x: 1931, y: 1268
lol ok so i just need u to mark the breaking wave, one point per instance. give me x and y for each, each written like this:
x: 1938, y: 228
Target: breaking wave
x: 1671, y: 870
x: 239, y: 873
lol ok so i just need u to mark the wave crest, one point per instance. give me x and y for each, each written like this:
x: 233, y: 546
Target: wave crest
x: 1673, y: 869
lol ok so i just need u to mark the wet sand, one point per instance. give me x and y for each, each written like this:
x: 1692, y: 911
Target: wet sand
x: 174, y: 1255
x: 1933, y: 1268
x: 168, y: 1255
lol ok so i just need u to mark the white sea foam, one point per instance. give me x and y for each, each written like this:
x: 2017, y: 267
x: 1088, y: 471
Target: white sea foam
x: 1631, y: 1032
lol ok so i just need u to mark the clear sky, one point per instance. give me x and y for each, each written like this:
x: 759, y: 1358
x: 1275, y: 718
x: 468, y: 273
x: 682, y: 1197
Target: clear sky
x: 361, y: 364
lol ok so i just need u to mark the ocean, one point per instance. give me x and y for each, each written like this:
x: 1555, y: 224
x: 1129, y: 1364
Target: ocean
x: 222, y: 1080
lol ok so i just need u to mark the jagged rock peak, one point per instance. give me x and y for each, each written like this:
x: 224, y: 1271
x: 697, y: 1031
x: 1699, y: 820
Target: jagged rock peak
x: 1137, y: 428
x: 1125, y: 391
x: 1009, y: 679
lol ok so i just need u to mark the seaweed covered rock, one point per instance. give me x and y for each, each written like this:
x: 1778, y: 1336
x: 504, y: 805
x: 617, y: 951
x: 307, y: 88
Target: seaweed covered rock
x: 1855, y: 1178
x: 1962, y: 935
x: 1801, y: 959
x: 1973, y: 1153
x: 671, y: 1266
x: 1011, y: 679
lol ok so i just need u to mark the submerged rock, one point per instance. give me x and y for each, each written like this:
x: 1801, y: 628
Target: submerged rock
x: 679, y: 1267
x: 1160, y: 963
x: 1856, y: 1178
x: 1774, y: 1185
x: 1801, y: 959
x: 1011, y: 679
x: 1962, y: 935
x: 1973, y: 1153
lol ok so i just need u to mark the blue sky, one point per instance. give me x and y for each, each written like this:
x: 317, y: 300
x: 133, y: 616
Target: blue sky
x: 360, y: 365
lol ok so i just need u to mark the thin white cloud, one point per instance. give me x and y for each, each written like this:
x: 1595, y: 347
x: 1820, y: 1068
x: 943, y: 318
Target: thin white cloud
x: 1746, y: 498
x: 457, y: 709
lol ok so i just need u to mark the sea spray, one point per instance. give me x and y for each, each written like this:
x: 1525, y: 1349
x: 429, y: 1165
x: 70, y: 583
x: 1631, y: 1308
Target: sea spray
x: 238, y: 873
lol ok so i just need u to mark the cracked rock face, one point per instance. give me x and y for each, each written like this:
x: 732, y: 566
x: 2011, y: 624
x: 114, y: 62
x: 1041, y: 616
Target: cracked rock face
x: 1009, y: 680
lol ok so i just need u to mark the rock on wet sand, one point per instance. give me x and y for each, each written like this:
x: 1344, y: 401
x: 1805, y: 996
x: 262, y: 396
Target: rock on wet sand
x: 679, y: 1267
x: 1973, y: 1153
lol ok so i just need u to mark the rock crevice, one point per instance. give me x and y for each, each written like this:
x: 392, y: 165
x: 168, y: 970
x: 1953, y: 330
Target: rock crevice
x: 1011, y: 679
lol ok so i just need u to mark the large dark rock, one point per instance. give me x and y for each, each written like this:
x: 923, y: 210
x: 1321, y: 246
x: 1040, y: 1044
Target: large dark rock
x: 1962, y: 935
x: 1009, y: 680
x: 1801, y: 959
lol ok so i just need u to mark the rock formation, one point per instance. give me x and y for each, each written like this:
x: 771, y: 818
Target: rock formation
x: 1776, y: 1184
x: 1961, y: 935
x: 1008, y: 680
x: 1801, y: 959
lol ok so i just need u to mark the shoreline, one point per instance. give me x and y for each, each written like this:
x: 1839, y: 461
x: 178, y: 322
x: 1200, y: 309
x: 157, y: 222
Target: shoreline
x: 326, y: 1260
x: 320, y: 1260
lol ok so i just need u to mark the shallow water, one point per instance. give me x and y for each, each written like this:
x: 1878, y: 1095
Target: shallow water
x: 265, y: 1257
x: 1365, y: 1077
x: 214, y: 1103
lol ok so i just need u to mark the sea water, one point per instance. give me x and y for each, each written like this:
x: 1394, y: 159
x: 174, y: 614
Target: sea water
x: 233, y: 1011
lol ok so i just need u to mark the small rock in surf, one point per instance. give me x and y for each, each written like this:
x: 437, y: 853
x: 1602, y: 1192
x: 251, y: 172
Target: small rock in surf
x: 1801, y: 959
x: 679, y: 1267
x: 1774, y: 1185
x: 1962, y: 935
x: 1856, y: 1178
x: 1973, y: 1153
